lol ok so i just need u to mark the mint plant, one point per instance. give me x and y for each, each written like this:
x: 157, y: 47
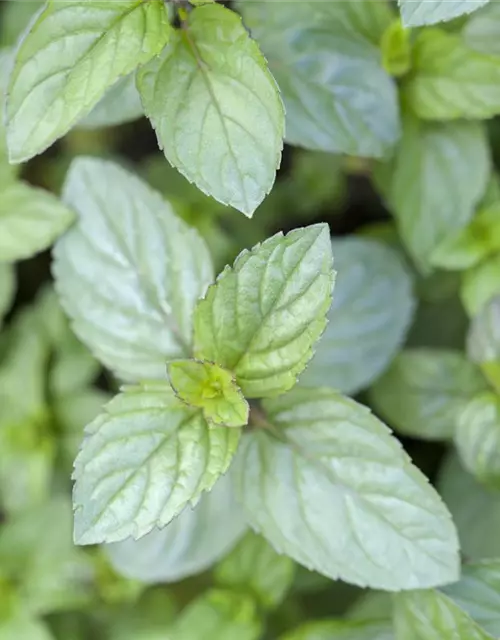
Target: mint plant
x: 283, y: 428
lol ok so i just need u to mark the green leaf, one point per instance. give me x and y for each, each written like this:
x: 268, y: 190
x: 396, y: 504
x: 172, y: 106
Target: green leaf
x: 450, y: 81
x: 326, y: 483
x: 481, y: 30
x: 37, y: 553
x: 221, y: 614
x: 147, y: 619
x: 374, y: 605
x: 438, y: 176
x: 209, y: 387
x: 480, y: 284
x: 7, y: 289
x: 431, y: 615
x: 71, y: 55
x: 262, y: 317
x: 369, y: 317
x: 254, y: 566
x: 15, y: 18
x: 326, y: 61
x: 190, y: 544
x: 475, y: 510
x: 342, y: 630
x: 142, y: 461
x: 478, y: 593
x: 129, y: 287
x: 424, y: 391
x: 416, y: 13
x: 120, y: 104
x: 24, y: 627
x: 30, y: 220
x: 477, y: 240
x: 483, y: 341
x: 477, y: 438
x: 8, y: 172
x: 216, y: 108
x: 396, y: 49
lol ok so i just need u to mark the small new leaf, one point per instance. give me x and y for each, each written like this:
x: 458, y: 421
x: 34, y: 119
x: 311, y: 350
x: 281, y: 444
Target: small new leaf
x: 216, y: 108
x: 328, y: 485
x: 30, y: 220
x: 449, y: 80
x: 210, y: 388
x: 142, y: 461
x: 262, y: 317
x: 72, y: 54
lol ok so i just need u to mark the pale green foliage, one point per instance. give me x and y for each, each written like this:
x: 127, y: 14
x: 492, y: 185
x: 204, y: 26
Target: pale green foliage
x: 253, y: 566
x: 337, y: 96
x: 431, y: 615
x: 142, y: 461
x: 484, y: 335
x: 191, y: 543
x: 478, y: 593
x: 478, y: 438
x: 480, y: 284
x: 450, y: 81
x: 430, y: 196
x: 475, y: 510
x: 221, y: 614
x: 137, y: 280
x: 372, y: 307
x: 396, y: 49
x: 425, y: 390
x: 481, y: 30
x: 210, y: 388
x: 480, y: 238
x: 262, y: 317
x: 419, y: 12
x: 30, y: 221
x: 216, y: 108
x: 342, y: 630
x: 53, y: 85
x: 343, y: 519
x: 121, y: 103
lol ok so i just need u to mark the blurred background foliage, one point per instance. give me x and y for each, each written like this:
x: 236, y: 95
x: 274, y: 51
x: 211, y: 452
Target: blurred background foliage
x: 51, y: 386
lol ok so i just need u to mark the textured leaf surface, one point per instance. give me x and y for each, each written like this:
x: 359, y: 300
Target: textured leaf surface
x: 450, y: 81
x: 439, y: 174
x: 369, y: 317
x: 425, y: 390
x: 191, y: 543
x: 337, y: 96
x: 216, y: 108
x: 72, y: 54
x: 477, y: 438
x: 210, y: 388
x: 254, y: 566
x: 262, y: 317
x: 130, y: 272
x: 478, y: 593
x: 142, y: 461
x: 342, y: 630
x: 475, y: 510
x: 224, y: 615
x: 120, y: 104
x: 30, y: 220
x: 7, y: 171
x: 416, y: 13
x: 329, y: 486
x: 431, y: 615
